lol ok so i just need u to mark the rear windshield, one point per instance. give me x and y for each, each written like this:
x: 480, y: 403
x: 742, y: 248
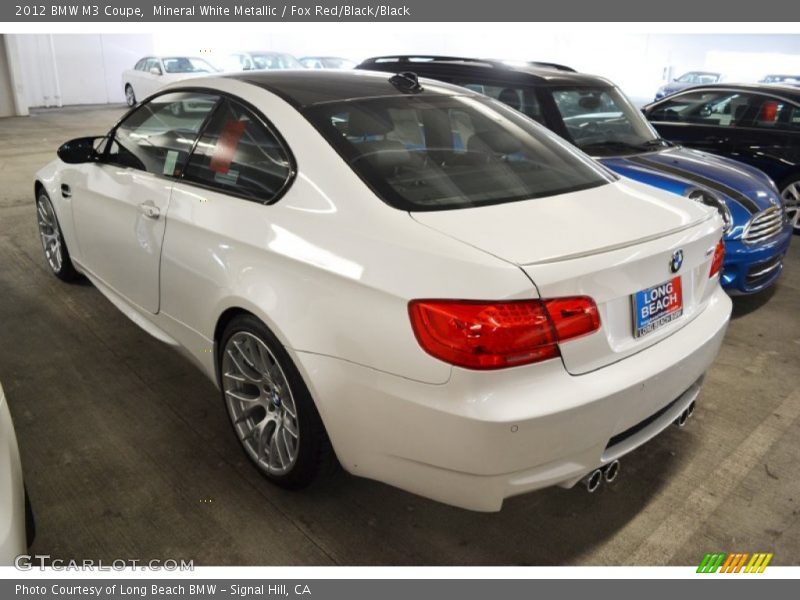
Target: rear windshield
x: 444, y: 152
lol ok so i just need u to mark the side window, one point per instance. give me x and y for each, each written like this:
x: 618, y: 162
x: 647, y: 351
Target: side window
x: 776, y: 114
x: 159, y: 136
x: 522, y: 99
x: 152, y: 64
x: 717, y: 109
x: 237, y: 153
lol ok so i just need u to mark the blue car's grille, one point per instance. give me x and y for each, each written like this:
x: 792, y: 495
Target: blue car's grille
x: 764, y: 225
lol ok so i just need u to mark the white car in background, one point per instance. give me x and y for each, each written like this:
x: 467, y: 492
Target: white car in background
x: 14, y: 508
x: 154, y: 72
x: 327, y: 62
x: 261, y: 61
x: 408, y: 274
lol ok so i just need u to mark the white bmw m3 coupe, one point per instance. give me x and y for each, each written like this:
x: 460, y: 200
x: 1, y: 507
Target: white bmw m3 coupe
x: 403, y: 275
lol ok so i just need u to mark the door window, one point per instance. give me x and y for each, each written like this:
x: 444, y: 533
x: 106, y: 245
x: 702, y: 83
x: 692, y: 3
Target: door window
x: 522, y: 99
x: 776, y: 114
x: 152, y: 64
x: 158, y: 136
x: 713, y: 108
x: 238, y: 154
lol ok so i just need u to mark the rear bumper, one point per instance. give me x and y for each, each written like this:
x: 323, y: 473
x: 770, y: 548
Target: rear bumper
x: 485, y: 436
x: 12, y: 494
x: 750, y: 269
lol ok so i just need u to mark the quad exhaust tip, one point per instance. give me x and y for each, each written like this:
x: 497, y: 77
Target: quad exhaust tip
x: 611, y: 471
x: 684, y: 416
x: 608, y: 473
x: 593, y: 480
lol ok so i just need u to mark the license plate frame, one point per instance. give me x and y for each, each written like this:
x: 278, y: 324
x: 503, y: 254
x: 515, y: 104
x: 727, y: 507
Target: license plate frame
x: 663, y: 303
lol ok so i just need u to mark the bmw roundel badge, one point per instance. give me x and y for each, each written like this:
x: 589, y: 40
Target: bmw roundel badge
x: 676, y: 261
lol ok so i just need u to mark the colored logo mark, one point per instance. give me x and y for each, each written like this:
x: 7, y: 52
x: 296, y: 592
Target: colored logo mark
x: 738, y: 562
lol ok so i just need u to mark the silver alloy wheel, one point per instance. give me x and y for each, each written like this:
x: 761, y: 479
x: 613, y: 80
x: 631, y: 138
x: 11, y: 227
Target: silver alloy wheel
x: 48, y: 231
x: 260, y: 403
x: 791, y: 200
x: 130, y: 97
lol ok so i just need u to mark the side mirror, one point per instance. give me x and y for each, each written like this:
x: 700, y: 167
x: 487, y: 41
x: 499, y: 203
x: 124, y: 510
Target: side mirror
x: 155, y: 71
x: 79, y: 150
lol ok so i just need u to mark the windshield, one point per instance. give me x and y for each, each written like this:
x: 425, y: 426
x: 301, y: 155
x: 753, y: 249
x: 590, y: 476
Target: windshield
x: 185, y: 64
x: 276, y: 61
x: 602, y: 122
x: 444, y: 152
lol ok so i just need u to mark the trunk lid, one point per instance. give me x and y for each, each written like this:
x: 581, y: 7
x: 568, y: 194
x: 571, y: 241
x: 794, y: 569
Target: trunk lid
x: 607, y: 243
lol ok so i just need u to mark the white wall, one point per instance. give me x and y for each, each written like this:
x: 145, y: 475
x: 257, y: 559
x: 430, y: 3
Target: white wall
x: 61, y: 70
x: 86, y: 68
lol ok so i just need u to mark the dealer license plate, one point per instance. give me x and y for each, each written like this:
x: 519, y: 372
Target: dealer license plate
x: 656, y: 306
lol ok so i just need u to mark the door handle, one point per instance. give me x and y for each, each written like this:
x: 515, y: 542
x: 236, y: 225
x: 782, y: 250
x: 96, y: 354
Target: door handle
x: 65, y: 191
x: 149, y: 210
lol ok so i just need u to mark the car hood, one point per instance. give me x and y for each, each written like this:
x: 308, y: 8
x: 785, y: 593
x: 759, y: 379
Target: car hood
x: 734, y: 182
x: 572, y: 225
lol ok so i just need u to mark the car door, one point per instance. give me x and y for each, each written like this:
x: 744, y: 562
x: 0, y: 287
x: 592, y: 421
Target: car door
x: 768, y: 138
x: 218, y: 224
x: 120, y: 202
x: 746, y: 126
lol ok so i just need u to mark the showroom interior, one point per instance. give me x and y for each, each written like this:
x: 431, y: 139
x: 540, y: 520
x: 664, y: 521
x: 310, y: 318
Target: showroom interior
x: 126, y: 447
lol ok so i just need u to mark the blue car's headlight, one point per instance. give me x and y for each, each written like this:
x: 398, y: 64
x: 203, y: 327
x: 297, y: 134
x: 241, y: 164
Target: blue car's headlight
x: 709, y: 199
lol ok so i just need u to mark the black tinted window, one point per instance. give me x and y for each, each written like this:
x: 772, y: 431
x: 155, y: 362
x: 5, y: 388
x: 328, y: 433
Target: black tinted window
x: 434, y: 153
x: 158, y: 136
x: 519, y: 98
x: 714, y: 108
x: 238, y: 153
x: 776, y: 114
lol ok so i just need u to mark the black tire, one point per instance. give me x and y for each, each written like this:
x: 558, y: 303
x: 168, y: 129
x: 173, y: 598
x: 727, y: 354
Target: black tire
x: 130, y: 96
x: 60, y: 264
x: 790, y: 192
x: 314, y: 455
x: 30, y: 522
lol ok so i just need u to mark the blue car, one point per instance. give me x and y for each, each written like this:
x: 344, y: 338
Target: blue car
x: 594, y: 115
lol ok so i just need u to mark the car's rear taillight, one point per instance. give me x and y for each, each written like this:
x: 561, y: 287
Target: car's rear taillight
x: 719, y: 257
x: 493, y: 335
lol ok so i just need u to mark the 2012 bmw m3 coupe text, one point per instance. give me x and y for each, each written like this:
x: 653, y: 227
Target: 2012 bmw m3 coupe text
x: 402, y: 275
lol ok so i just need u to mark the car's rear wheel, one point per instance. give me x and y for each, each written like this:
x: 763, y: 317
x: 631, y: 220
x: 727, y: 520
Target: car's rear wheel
x: 130, y: 97
x: 55, y: 250
x: 270, y: 407
x: 790, y: 192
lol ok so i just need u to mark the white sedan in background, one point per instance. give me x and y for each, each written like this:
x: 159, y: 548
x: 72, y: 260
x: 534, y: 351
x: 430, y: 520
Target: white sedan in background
x: 260, y: 60
x: 154, y: 72
x: 13, y: 502
x: 406, y: 275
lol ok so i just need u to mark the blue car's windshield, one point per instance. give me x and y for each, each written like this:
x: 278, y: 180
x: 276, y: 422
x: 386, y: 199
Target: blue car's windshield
x: 602, y: 122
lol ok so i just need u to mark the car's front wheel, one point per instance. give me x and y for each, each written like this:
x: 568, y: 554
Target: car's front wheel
x: 130, y: 97
x: 270, y: 407
x: 55, y: 250
x: 790, y: 192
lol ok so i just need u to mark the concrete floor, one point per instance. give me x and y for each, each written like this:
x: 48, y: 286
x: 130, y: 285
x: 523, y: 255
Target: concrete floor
x: 128, y: 452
